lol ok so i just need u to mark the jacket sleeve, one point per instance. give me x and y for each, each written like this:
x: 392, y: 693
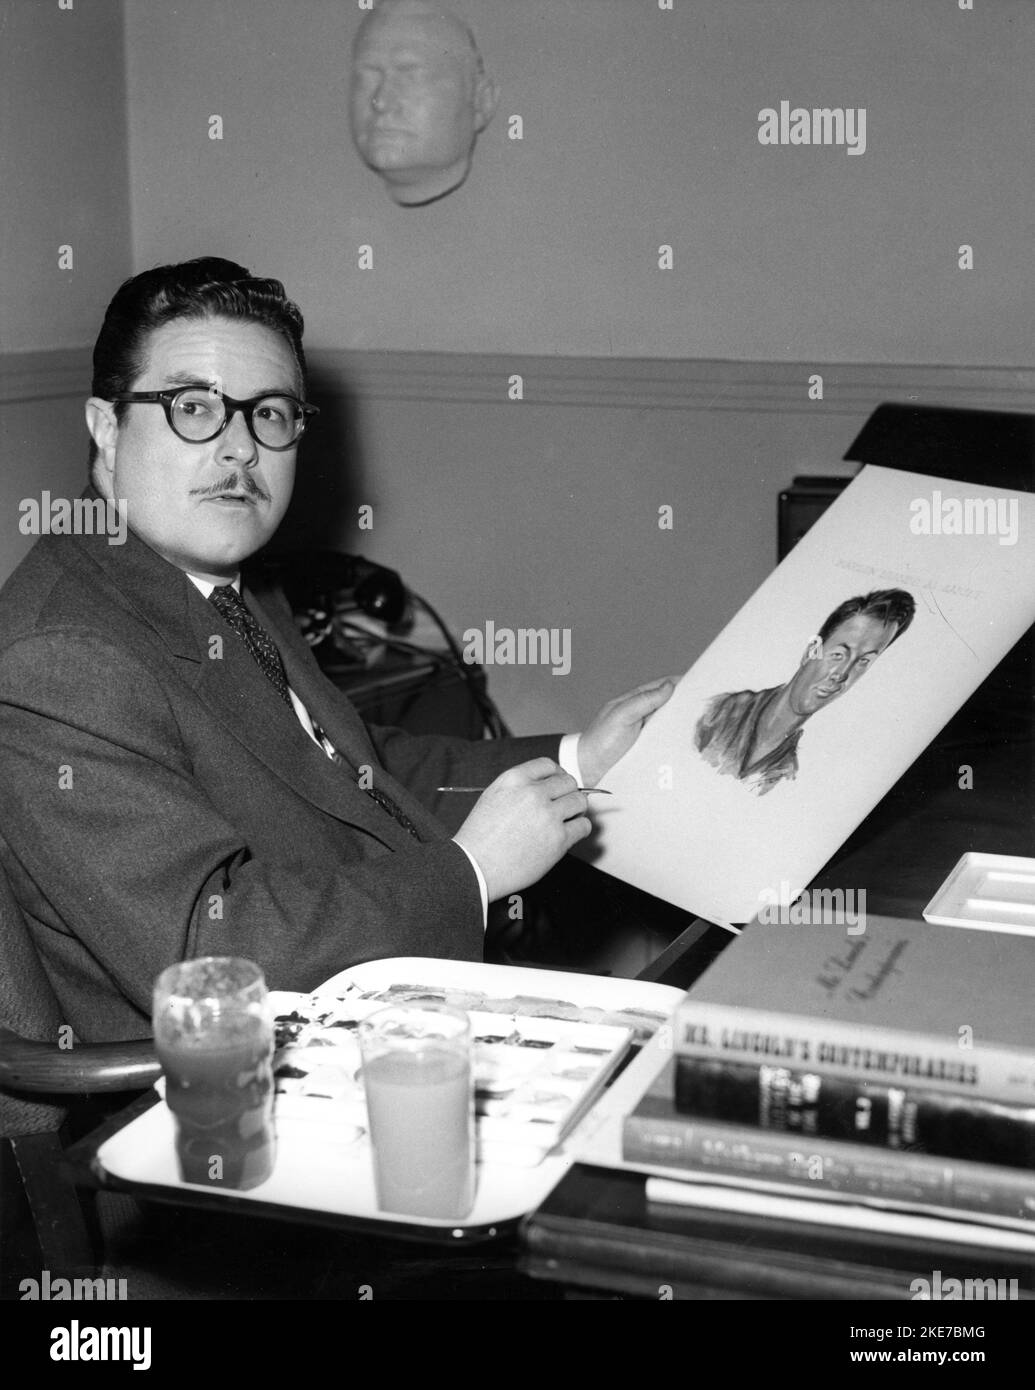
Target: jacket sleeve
x: 425, y: 762
x: 123, y: 851
x: 421, y: 762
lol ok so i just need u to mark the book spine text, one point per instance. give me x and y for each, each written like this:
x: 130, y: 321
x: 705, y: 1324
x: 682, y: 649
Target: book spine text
x: 681, y: 1142
x: 808, y: 1103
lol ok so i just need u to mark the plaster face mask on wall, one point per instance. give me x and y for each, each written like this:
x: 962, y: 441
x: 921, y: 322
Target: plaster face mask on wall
x: 419, y: 98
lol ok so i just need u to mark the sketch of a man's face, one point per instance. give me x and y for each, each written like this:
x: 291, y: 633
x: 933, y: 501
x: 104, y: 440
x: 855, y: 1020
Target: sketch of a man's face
x: 418, y: 99
x: 849, y: 651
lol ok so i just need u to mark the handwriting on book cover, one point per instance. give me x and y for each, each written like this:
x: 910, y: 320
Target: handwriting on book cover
x: 836, y: 969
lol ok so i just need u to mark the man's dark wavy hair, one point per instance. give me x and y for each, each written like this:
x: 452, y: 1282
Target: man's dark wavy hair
x: 888, y: 605
x: 203, y: 288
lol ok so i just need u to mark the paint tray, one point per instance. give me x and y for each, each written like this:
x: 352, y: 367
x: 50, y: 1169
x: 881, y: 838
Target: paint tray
x: 993, y: 892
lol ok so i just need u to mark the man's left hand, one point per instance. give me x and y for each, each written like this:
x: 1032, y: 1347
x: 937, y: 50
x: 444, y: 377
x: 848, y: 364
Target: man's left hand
x: 616, y: 728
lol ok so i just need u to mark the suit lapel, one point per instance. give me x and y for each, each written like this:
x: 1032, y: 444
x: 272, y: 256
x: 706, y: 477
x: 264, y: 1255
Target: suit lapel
x: 335, y: 716
x: 339, y: 721
x: 235, y: 690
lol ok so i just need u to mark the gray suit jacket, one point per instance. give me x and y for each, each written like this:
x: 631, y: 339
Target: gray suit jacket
x: 159, y: 801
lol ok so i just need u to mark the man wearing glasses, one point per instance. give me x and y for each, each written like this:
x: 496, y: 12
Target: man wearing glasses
x: 177, y: 777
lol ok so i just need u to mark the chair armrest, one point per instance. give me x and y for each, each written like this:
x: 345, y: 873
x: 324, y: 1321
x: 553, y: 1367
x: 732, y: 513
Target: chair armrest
x: 83, y: 1068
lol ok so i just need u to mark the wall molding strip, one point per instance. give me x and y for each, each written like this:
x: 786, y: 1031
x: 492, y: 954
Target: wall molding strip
x: 608, y: 382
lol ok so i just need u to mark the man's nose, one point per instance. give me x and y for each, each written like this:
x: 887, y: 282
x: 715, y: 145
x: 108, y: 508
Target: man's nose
x: 384, y: 94
x: 236, y: 444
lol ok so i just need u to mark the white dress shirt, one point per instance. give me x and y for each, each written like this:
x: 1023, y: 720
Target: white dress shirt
x: 567, y: 754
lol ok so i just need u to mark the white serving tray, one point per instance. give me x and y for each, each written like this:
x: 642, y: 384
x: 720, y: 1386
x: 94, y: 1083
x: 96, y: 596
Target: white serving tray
x: 326, y: 1169
x: 992, y: 892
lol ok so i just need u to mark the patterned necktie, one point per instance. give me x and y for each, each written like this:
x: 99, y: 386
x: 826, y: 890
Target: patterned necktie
x: 231, y: 606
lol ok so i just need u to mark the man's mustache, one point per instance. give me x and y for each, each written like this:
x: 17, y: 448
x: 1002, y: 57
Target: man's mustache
x: 232, y: 482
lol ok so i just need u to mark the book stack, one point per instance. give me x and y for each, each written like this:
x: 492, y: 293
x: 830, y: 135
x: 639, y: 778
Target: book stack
x: 891, y: 1067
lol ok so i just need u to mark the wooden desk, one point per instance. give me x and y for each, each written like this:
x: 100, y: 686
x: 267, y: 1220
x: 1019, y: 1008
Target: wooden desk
x: 596, y: 1230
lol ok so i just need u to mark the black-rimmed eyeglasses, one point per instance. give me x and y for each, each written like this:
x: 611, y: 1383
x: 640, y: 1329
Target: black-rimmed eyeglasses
x: 198, y: 414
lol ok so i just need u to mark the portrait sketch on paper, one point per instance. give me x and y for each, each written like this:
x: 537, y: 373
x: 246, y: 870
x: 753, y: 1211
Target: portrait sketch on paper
x: 754, y: 735
x: 807, y: 707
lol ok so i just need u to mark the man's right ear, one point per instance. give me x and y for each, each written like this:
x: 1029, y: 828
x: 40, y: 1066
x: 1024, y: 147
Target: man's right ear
x: 104, y: 431
x: 486, y: 99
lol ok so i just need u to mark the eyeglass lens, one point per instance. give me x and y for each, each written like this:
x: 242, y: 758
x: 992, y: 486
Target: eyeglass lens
x: 198, y: 415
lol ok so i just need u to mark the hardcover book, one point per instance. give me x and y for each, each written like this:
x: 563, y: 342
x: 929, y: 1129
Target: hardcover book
x: 904, y: 1118
x: 902, y: 1003
x: 657, y: 1135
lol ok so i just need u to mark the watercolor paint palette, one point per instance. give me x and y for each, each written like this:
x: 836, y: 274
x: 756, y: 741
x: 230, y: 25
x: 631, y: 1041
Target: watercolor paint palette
x: 534, y: 1077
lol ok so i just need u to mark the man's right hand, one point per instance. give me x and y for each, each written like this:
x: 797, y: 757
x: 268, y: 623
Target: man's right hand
x: 523, y: 823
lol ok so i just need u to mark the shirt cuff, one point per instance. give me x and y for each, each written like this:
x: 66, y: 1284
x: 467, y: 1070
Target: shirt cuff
x: 483, y: 887
x: 568, y: 756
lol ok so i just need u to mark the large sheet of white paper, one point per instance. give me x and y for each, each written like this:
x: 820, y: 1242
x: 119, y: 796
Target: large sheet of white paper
x: 775, y: 745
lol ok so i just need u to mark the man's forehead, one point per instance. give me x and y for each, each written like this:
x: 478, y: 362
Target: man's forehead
x: 861, y: 630
x: 209, y: 345
x: 422, y: 26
